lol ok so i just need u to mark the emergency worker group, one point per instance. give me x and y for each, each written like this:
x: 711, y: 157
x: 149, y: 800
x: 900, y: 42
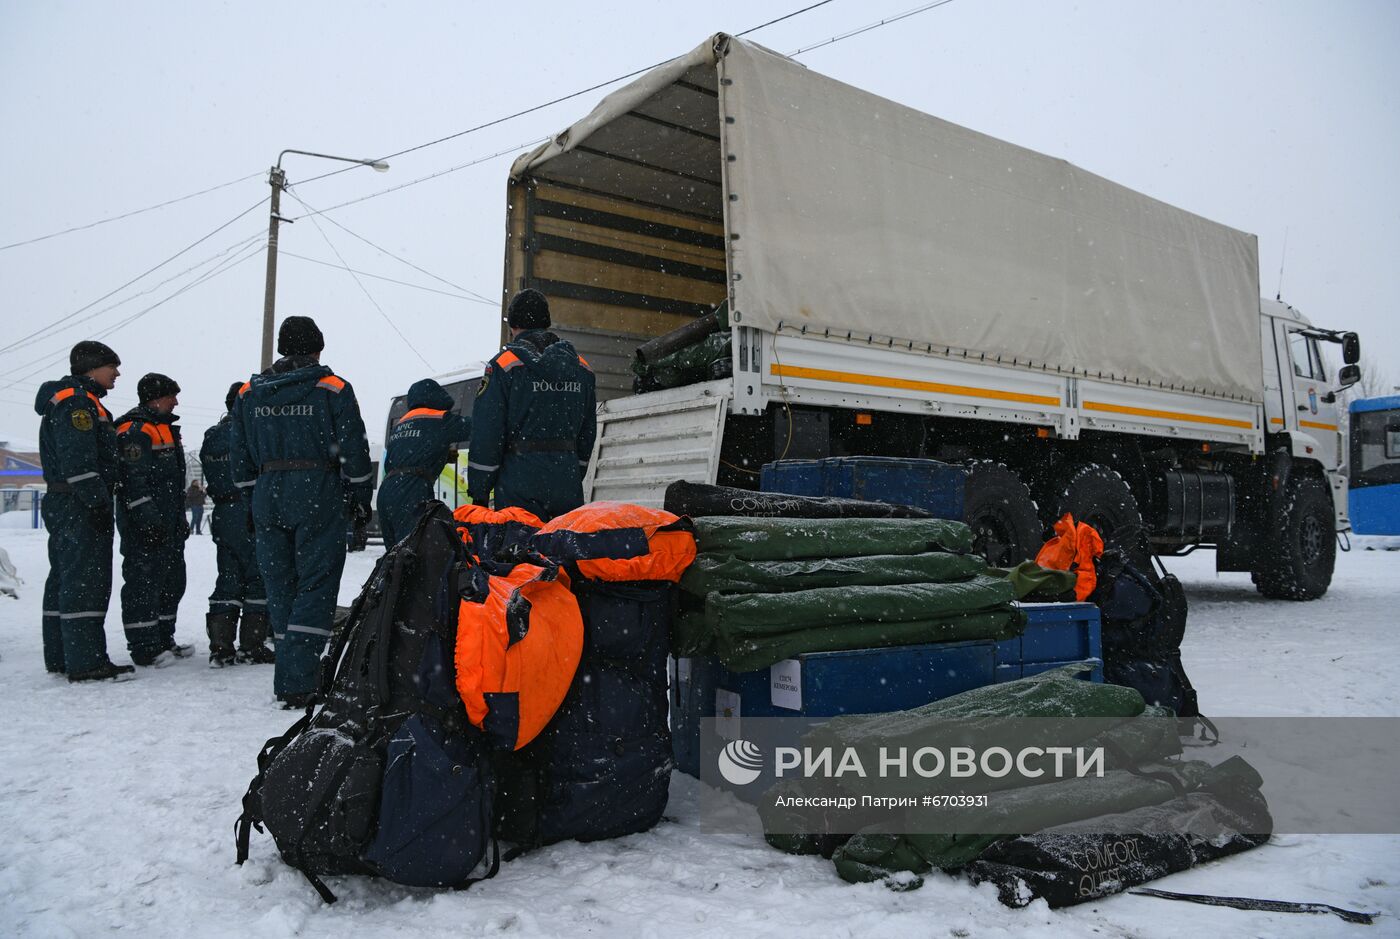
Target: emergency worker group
x: 289, y: 472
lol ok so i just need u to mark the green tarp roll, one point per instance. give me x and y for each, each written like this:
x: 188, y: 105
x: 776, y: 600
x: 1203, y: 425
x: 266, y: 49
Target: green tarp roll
x: 739, y: 615
x: 750, y: 652
x: 724, y: 574
x: 1033, y: 582
x: 1149, y: 737
x: 1054, y: 693
x: 781, y: 539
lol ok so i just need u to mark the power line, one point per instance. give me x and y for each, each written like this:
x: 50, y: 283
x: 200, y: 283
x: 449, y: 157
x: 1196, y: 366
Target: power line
x: 422, y: 179
x: 392, y: 325
x: 117, y: 218
x: 45, y: 362
x: 413, y: 182
x: 402, y: 283
x: 23, y: 344
x: 422, y: 270
x: 51, y: 326
x: 560, y: 100
x: 867, y: 28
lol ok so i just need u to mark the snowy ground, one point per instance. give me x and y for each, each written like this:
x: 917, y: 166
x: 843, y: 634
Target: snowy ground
x: 119, y: 800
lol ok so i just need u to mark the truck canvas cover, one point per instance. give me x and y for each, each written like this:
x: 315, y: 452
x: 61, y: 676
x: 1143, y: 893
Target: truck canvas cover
x: 844, y: 213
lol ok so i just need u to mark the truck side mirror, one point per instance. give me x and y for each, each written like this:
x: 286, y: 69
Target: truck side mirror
x: 1351, y: 348
x: 1349, y: 374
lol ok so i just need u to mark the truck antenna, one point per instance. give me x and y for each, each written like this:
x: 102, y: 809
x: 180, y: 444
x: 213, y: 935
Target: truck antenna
x: 1279, y: 296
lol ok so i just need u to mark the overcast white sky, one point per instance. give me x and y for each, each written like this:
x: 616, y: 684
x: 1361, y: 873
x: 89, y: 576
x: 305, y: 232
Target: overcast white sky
x: 1273, y: 117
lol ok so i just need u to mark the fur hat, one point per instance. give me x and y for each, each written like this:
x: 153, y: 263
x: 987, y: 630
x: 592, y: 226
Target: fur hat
x: 299, y: 335
x: 232, y: 395
x: 528, y: 310
x: 90, y: 354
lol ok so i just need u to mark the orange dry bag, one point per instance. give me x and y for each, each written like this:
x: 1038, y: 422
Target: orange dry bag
x: 1075, y: 547
x: 618, y: 541
x: 489, y: 531
x: 517, y: 651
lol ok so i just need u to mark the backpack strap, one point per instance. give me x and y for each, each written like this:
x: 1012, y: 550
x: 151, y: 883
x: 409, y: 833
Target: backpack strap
x: 252, y: 799
x: 1251, y: 903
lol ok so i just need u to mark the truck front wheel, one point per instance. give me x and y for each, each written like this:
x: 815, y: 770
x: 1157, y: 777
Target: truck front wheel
x: 1303, y: 548
x: 999, y: 509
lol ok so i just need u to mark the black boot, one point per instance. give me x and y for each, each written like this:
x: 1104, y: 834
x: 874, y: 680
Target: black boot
x: 252, y: 638
x: 107, y: 671
x: 221, y: 627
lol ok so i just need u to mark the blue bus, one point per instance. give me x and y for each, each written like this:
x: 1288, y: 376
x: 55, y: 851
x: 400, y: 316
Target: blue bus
x: 1375, y: 466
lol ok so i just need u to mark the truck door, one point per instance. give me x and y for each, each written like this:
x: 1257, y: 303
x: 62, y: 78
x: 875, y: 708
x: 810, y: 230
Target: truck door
x: 1306, y: 374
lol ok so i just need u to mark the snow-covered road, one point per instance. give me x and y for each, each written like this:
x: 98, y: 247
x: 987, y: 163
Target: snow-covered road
x: 117, y: 804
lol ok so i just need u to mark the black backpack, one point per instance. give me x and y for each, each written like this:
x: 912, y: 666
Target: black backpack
x: 386, y: 776
x: 1143, y: 616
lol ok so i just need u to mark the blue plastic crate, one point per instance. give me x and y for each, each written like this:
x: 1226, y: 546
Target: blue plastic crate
x: 1056, y: 634
x: 875, y: 681
x: 927, y: 484
x: 822, y: 684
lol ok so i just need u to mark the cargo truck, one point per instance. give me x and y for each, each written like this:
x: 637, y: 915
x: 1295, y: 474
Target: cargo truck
x: 893, y: 284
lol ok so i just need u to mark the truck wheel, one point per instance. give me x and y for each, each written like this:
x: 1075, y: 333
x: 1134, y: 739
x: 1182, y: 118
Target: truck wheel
x: 998, y: 508
x: 1098, y: 496
x: 1303, y: 549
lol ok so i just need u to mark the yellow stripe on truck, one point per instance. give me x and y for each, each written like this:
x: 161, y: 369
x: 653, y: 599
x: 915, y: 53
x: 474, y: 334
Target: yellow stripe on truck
x: 1316, y: 426
x: 1167, y: 415
x: 882, y: 381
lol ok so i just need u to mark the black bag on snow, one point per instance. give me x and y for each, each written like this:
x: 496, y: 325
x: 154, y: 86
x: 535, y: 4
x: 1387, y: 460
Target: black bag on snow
x: 699, y: 499
x: 386, y: 776
x: 602, y: 767
x: 1144, y: 621
x: 1096, y: 857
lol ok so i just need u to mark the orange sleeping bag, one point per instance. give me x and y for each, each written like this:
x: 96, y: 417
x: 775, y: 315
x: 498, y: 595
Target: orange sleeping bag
x: 517, y: 652
x: 619, y: 541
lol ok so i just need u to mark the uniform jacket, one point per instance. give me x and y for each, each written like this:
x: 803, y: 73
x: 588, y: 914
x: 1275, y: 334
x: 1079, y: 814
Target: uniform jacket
x: 214, y: 457
x: 533, y: 425
x: 151, y: 480
x: 423, y: 438
x: 300, y: 410
x: 77, y: 440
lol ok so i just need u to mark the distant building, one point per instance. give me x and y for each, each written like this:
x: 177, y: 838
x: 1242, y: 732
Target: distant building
x: 19, y: 468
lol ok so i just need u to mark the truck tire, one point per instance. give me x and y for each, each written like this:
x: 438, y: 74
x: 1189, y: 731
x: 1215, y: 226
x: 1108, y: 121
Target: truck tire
x: 1098, y: 496
x: 1003, y: 517
x: 1303, y: 547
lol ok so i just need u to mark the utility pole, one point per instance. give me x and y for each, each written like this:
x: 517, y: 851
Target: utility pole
x: 277, y: 178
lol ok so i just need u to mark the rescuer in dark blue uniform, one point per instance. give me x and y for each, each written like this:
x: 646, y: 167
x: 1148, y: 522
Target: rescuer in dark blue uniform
x: 78, y: 447
x: 238, y: 588
x: 151, y: 519
x: 298, y: 444
x: 421, y: 442
x: 534, y: 420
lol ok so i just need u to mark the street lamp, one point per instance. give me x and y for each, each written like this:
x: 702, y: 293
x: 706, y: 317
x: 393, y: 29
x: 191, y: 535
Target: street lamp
x: 277, y: 178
